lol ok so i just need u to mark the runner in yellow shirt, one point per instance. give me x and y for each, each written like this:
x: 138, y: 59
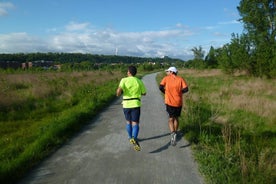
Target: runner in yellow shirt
x: 173, y: 87
x: 132, y: 89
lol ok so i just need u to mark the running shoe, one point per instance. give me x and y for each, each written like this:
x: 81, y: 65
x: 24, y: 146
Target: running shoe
x: 173, y: 138
x: 135, y: 144
x: 132, y: 141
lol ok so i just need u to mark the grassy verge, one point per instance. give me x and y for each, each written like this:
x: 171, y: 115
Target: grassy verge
x: 231, y: 121
x: 40, y: 111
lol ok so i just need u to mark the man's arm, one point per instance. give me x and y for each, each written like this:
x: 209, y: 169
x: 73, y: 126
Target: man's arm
x: 144, y: 91
x: 119, y: 91
x: 185, y: 90
x: 162, y: 88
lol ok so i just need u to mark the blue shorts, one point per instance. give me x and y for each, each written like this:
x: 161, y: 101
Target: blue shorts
x: 132, y: 114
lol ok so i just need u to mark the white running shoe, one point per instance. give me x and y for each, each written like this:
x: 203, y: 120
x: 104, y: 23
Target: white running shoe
x: 173, y: 138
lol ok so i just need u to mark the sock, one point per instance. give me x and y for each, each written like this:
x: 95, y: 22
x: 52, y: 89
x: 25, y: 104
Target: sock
x: 129, y: 130
x: 135, y: 131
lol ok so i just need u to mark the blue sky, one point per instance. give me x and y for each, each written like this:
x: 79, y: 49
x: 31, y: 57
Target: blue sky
x: 143, y: 28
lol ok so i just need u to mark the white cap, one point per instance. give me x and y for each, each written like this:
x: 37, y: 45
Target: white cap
x: 172, y: 69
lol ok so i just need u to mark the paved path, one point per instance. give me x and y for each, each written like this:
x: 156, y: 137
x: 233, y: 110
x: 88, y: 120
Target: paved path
x: 102, y: 154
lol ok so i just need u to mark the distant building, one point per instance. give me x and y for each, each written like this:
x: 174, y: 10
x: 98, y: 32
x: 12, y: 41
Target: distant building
x: 26, y: 65
x: 10, y: 64
x: 42, y: 63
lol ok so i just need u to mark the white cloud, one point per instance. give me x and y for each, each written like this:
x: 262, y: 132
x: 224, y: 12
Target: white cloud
x: 73, y: 26
x: 4, y: 7
x: 220, y: 34
x: 82, y: 38
x: 229, y: 22
x: 20, y: 42
x: 210, y: 27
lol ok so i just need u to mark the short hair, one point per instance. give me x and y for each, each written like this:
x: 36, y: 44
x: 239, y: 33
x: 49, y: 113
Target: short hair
x: 132, y: 70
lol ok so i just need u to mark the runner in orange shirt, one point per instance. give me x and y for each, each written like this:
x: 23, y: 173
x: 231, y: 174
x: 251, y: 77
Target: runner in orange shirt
x: 173, y: 87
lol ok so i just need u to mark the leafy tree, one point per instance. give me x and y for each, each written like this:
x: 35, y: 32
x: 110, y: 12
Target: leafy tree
x: 236, y: 55
x: 211, y: 58
x: 224, y: 59
x: 240, y: 49
x: 198, y: 61
x: 86, y: 65
x: 198, y: 53
x: 259, y: 18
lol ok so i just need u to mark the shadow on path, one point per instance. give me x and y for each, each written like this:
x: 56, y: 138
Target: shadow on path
x: 154, y: 137
x: 166, y: 146
x: 184, y: 146
x: 180, y: 135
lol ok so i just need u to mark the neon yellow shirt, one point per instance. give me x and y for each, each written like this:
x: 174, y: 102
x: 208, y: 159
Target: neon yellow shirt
x: 132, y: 88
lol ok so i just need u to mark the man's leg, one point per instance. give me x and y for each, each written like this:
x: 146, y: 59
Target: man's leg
x: 175, y: 124
x: 129, y: 129
x: 135, y: 130
x: 174, y: 128
x: 171, y: 124
x: 135, y: 114
x: 133, y: 140
x: 176, y: 116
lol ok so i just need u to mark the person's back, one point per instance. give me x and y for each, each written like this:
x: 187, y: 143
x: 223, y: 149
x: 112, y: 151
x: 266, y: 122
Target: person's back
x: 132, y: 88
x: 174, y: 85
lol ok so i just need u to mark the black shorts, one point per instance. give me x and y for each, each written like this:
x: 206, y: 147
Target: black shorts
x: 132, y: 114
x: 173, y: 111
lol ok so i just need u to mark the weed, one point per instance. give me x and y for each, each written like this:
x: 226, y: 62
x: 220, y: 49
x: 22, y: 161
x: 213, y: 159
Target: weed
x: 231, y: 120
x: 54, y: 107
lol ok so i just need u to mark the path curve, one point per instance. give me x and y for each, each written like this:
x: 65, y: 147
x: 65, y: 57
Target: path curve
x: 102, y: 154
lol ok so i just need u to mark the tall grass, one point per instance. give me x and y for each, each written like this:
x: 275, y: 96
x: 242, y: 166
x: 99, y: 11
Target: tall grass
x: 232, y: 122
x: 42, y: 110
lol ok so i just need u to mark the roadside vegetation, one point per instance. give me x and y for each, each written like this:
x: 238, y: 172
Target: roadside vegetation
x: 40, y: 111
x: 230, y: 121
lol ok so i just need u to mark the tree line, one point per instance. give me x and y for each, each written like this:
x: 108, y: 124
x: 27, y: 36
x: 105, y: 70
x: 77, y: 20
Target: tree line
x: 60, y: 58
x: 80, y: 62
x: 253, y: 51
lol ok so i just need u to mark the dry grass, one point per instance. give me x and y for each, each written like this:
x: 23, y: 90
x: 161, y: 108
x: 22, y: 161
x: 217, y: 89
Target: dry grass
x: 15, y: 88
x: 250, y: 94
x: 39, y: 111
x: 256, y: 95
x: 245, y: 109
x: 201, y: 73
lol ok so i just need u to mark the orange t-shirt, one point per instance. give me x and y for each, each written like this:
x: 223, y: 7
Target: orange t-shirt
x: 173, y: 85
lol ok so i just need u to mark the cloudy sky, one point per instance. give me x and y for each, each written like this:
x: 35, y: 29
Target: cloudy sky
x: 143, y: 28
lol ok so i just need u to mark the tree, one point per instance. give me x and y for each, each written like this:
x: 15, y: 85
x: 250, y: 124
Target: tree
x: 240, y: 53
x: 198, y: 53
x: 259, y: 18
x: 198, y: 61
x: 224, y: 59
x: 211, y: 59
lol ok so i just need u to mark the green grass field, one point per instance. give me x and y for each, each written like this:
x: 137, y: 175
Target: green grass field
x: 40, y: 111
x: 232, y: 121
